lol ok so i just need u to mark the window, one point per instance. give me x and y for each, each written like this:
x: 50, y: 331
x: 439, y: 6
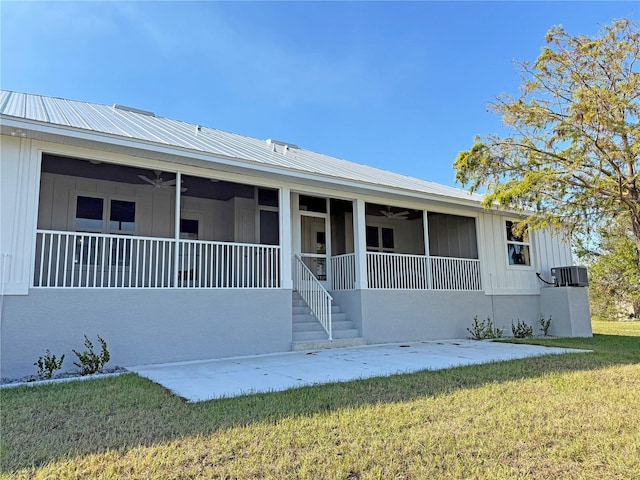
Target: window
x: 517, y: 246
x: 89, y: 214
x: 380, y: 239
x: 268, y: 197
x: 122, y: 217
x: 92, y: 211
x: 269, y: 227
x: 268, y: 217
x: 189, y: 229
x: 312, y: 204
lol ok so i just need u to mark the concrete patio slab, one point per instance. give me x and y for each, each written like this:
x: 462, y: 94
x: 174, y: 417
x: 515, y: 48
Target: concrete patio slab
x: 229, y: 377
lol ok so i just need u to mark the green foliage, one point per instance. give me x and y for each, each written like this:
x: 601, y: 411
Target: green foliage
x: 48, y: 364
x: 521, y: 330
x: 545, y: 324
x: 614, y: 281
x: 90, y: 362
x: 484, y: 329
x: 572, y: 159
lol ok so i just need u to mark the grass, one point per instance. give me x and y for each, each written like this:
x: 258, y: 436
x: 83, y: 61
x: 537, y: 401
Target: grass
x: 560, y: 416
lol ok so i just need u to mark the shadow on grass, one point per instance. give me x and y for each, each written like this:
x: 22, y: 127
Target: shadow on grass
x: 45, y: 423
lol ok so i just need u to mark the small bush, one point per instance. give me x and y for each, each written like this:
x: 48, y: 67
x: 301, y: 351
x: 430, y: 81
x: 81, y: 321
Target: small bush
x: 483, y: 329
x: 522, y: 330
x: 477, y: 329
x: 545, y: 325
x: 48, y: 364
x: 90, y: 362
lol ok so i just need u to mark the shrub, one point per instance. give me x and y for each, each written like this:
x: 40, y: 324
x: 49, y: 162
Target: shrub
x: 545, y: 325
x: 48, y: 364
x: 90, y: 362
x: 522, y: 330
x: 477, y: 329
x: 483, y: 329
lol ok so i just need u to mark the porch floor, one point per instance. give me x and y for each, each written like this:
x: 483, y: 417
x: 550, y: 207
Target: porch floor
x: 230, y: 377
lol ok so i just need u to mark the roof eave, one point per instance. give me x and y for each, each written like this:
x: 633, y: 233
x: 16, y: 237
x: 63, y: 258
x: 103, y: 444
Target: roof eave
x: 236, y: 162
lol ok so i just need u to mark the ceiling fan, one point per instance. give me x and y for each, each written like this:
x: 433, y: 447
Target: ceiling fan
x: 394, y: 215
x: 158, y: 182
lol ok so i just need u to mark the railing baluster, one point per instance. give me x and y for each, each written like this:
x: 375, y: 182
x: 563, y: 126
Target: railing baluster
x: 88, y: 260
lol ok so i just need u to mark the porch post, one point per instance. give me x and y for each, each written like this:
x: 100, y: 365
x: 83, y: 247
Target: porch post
x: 360, y: 244
x: 425, y: 225
x: 286, y: 281
x: 176, y: 250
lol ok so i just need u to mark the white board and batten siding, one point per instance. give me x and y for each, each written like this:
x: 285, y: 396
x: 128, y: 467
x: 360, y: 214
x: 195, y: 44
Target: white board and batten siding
x: 546, y: 251
x: 154, y: 207
x: 18, y: 212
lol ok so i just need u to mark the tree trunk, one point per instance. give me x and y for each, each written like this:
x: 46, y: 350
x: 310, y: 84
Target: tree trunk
x: 635, y: 223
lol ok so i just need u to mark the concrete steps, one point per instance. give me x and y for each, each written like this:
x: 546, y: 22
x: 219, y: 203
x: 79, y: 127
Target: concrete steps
x: 308, y: 333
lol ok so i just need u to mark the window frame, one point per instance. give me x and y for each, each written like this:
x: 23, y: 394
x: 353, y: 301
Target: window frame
x: 380, y: 248
x: 106, y: 213
x: 519, y: 243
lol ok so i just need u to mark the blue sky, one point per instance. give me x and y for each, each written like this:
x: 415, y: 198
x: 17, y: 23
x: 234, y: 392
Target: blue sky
x: 402, y: 86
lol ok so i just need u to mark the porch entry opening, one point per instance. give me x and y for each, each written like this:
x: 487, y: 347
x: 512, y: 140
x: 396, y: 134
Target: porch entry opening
x: 313, y: 242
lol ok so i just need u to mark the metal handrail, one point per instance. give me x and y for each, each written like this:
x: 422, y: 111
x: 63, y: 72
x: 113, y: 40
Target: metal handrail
x: 314, y: 294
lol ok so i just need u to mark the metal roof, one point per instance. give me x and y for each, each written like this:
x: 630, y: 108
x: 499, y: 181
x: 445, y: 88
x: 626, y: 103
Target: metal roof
x: 139, y: 125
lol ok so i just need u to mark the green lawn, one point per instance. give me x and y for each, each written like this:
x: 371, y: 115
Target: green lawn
x: 567, y: 416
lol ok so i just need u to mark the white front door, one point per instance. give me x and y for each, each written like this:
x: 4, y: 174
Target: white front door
x: 314, y: 245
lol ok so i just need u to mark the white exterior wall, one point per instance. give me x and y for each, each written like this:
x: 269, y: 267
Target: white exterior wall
x: 500, y: 278
x: 19, y: 175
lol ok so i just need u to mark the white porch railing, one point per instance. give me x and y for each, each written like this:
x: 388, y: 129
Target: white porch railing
x: 419, y: 272
x: 455, y: 273
x: 312, y: 291
x: 205, y: 264
x: 343, y: 272
x: 397, y: 271
x: 93, y: 260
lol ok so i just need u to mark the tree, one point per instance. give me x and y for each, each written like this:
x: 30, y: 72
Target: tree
x: 572, y: 157
x: 614, y: 285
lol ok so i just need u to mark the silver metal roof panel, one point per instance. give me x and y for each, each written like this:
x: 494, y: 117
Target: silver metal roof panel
x: 140, y: 125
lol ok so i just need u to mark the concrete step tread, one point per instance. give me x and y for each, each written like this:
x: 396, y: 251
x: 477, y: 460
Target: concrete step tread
x: 316, y: 326
x: 322, y: 344
x: 322, y: 334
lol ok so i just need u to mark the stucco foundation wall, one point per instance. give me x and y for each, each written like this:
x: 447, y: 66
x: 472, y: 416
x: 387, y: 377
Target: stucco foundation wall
x: 350, y: 302
x: 508, y: 309
x: 402, y: 316
x: 143, y: 326
x: 569, y: 309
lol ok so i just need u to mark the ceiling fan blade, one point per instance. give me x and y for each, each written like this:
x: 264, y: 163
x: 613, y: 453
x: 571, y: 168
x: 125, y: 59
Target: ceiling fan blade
x: 169, y: 183
x: 147, y: 179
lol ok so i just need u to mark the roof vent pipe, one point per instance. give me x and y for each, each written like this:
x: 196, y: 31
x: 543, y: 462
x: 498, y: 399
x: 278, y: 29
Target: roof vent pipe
x: 134, y: 110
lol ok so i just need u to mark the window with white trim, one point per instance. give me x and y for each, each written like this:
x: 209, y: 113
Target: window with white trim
x: 380, y: 239
x: 518, y: 246
x: 268, y: 216
x: 91, y: 213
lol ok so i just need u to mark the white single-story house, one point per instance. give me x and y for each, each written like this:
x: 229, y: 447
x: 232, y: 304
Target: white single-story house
x: 175, y: 241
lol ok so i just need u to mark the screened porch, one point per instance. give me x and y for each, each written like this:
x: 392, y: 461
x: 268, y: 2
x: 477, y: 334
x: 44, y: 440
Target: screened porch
x: 102, y: 225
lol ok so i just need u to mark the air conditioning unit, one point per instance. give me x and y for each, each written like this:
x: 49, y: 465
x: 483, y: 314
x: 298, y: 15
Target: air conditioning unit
x: 570, y: 276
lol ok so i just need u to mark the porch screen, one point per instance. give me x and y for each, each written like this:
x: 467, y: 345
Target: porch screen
x: 452, y: 236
